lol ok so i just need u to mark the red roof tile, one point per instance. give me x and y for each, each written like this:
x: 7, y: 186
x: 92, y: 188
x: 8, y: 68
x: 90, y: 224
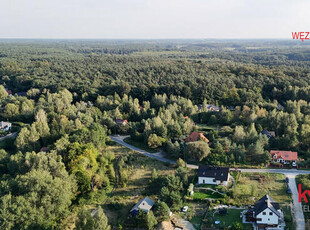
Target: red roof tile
x: 286, y: 155
x: 195, y: 136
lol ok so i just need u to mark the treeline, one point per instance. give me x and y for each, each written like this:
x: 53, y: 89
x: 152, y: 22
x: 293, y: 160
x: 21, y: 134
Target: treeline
x: 195, y: 76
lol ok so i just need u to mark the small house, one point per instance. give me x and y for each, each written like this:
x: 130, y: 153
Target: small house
x: 121, y: 122
x: 213, y: 175
x: 44, y: 149
x: 284, y: 157
x: 214, y: 108
x: 269, y: 134
x: 5, y: 126
x: 145, y: 204
x: 266, y: 214
x: 9, y: 92
x: 196, y: 136
x: 280, y: 107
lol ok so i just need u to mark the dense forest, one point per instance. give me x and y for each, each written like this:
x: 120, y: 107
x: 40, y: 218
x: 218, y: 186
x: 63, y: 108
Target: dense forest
x: 64, y: 98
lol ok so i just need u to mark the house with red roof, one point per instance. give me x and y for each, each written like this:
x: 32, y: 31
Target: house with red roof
x: 196, y: 136
x: 121, y: 122
x: 284, y: 157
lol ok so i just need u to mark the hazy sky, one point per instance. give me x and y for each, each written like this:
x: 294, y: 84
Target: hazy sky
x: 153, y: 18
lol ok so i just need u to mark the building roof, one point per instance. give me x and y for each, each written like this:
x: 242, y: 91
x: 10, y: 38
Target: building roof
x: 213, y: 107
x: 121, y: 121
x: 218, y: 173
x: 286, y: 155
x: 9, y: 91
x: 44, y: 149
x: 269, y: 134
x: 21, y: 93
x: 4, y: 124
x: 264, y: 203
x: 195, y: 136
x: 280, y: 107
x: 145, y: 204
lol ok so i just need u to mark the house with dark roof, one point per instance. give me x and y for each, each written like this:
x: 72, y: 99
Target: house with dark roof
x: 266, y: 214
x: 213, y: 175
x: 269, y: 134
x: 196, y: 136
x: 145, y: 204
x: 212, y: 107
x: 284, y: 157
x: 121, y: 122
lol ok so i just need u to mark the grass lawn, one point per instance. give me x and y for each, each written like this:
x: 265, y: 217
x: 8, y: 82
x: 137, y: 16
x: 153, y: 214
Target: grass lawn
x: 140, y: 145
x: 252, y: 186
x: 206, y: 194
x: 232, y: 216
x: 196, y: 221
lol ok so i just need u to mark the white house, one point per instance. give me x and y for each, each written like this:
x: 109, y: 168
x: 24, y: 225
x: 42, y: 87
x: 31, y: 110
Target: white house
x: 213, y: 175
x: 5, y: 126
x: 284, y: 157
x: 267, y: 214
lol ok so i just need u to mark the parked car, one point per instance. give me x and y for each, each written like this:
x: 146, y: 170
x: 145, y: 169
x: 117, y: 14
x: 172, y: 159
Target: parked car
x: 185, y: 208
x: 287, y: 180
x: 289, y: 190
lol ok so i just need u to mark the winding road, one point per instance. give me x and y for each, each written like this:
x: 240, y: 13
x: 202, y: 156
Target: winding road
x: 290, y: 173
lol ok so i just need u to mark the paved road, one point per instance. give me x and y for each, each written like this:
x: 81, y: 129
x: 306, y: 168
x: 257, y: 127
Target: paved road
x: 290, y: 173
x: 10, y: 135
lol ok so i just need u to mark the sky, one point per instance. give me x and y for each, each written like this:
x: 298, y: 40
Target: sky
x: 153, y: 19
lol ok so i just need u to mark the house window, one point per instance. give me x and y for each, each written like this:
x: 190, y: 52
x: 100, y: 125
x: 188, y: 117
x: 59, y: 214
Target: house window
x: 264, y: 213
x: 259, y: 219
x: 203, y: 181
x: 214, y: 180
x: 270, y: 213
x: 268, y: 219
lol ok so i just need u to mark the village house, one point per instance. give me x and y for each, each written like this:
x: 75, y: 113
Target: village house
x: 145, y: 204
x: 5, y: 126
x: 212, y: 107
x: 213, y: 175
x: 121, y: 122
x: 8, y: 91
x: 266, y: 214
x: 284, y: 157
x: 44, y: 149
x: 196, y: 136
x: 209, y: 107
x: 269, y: 134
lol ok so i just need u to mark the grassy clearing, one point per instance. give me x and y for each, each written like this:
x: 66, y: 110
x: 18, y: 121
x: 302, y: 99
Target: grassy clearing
x: 122, y: 199
x: 207, y: 194
x: 252, y: 186
x: 232, y: 216
x: 140, y: 145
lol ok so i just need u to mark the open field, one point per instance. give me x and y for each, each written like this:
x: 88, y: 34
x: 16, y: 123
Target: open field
x: 252, y: 186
